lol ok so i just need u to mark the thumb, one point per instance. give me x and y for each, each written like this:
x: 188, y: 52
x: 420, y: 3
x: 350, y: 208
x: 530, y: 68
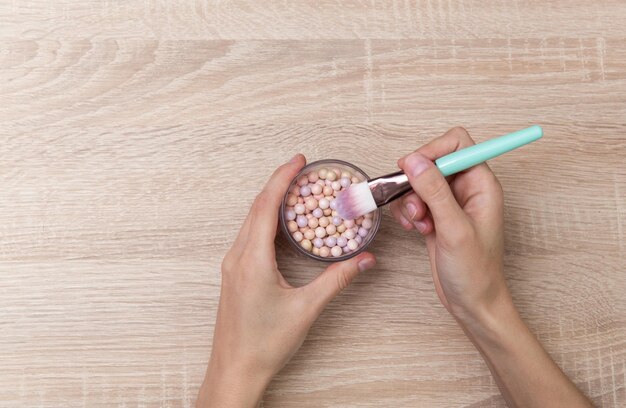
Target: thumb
x: 431, y: 186
x: 337, y: 277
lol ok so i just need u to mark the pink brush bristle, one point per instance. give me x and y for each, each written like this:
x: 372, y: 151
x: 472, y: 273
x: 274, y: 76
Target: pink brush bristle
x: 355, y: 201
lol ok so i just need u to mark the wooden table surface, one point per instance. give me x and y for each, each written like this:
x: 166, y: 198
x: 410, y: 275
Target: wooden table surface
x: 134, y: 135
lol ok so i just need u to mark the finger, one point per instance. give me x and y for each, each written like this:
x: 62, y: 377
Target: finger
x: 477, y: 181
x: 264, y: 212
x: 412, y: 207
x: 454, y: 139
x: 425, y: 226
x: 430, y: 185
x: 242, y: 236
x: 336, y: 278
x: 396, y: 211
x: 430, y: 246
x: 474, y: 182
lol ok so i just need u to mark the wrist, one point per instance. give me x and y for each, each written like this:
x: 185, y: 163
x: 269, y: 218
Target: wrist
x: 497, y: 326
x: 492, y: 323
x: 232, y: 385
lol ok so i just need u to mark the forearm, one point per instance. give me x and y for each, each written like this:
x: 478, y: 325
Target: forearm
x: 524, y: 371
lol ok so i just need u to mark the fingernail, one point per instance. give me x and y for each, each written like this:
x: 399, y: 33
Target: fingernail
x: 411, y: 209
x: 420, y: 226
x: 416, y: 164
x: 405, y: 223
x: 365, y: 264
x: 294, y: 158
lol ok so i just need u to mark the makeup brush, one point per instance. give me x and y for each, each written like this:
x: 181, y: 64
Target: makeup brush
x: 362, y: 198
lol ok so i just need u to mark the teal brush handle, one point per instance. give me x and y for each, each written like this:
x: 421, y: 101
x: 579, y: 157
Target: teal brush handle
x: 470, y: 156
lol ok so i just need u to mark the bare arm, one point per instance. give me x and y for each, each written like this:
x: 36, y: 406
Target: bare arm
x: 462, y: 221
x: 525, y: 373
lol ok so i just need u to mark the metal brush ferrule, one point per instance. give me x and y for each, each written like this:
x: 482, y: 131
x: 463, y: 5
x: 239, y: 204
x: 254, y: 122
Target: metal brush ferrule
x: 387, y: 188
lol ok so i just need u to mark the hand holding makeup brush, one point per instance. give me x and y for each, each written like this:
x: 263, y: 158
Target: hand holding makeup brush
x: 462, y: 221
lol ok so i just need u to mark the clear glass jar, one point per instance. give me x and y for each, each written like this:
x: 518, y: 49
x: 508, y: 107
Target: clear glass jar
x: 329, y: 164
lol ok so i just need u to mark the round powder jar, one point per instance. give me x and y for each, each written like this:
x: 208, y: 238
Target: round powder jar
x: 308, y: 217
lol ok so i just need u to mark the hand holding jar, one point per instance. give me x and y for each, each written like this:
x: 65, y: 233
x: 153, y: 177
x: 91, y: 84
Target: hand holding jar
x: 262, y: 320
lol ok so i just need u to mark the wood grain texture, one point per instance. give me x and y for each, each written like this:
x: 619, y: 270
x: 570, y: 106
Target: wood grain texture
x: 133, y: 136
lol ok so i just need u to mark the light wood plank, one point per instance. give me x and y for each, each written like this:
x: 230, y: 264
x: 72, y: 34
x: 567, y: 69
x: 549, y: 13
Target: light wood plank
x: 311, y: 20
x: 165, y: 83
